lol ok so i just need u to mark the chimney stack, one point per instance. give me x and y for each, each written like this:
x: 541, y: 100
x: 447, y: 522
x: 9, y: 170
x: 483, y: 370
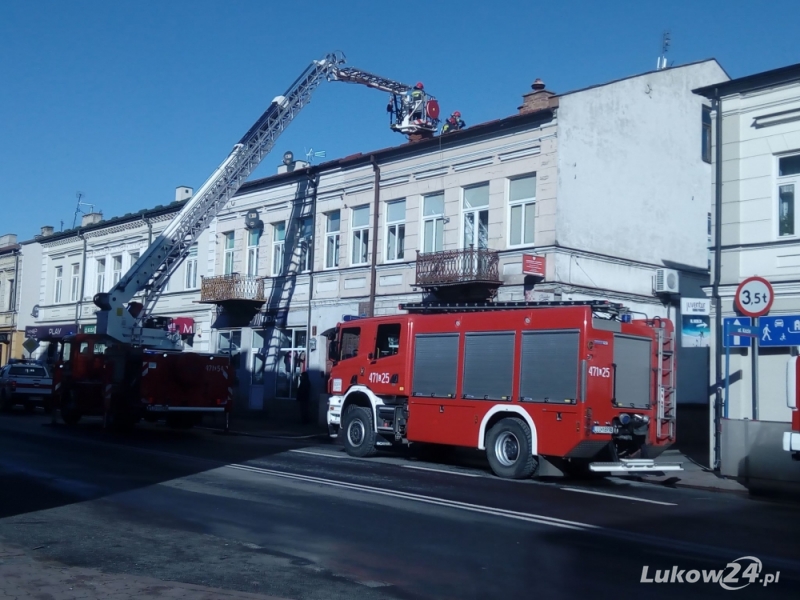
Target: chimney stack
x: 91, y: 218
x: 183, y: 192
x: 538, y: 99
x: 8, y: 239
x: 47, y: 230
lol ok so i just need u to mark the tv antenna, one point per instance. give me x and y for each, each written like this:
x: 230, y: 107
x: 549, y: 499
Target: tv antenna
x: 661, y: 63
x: 78, y: 210
x: 311, y: 155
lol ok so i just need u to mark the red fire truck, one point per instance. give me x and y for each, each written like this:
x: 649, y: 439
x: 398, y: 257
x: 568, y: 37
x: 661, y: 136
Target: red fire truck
x: 580, y: 385
x: 97, y: 376
x: 791, y: 439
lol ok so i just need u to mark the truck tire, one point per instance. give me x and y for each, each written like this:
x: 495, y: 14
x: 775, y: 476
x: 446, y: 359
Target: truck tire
x: 508, y: 448
x: 358, y: 432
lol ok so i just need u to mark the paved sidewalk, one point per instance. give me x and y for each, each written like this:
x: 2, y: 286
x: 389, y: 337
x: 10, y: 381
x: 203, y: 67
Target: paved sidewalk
x: 22, y: 576
x: 693, y: 475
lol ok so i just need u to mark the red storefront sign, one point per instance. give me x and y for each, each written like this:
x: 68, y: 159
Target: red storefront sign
x: 182, y: 326
x: 533, y: 265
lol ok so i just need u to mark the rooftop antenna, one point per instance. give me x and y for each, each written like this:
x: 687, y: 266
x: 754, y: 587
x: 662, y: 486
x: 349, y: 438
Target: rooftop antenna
x: 661, y: 63
x: 78, y: 210
x: 311, y: 155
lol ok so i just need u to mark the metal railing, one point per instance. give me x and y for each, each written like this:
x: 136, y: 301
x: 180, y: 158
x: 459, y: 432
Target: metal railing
x: 232, y: 287
x: 450, y: 267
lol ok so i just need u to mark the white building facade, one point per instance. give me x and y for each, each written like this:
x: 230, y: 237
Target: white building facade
x: 63, y: 271
x: 608, y: 185
x: 759, y: 236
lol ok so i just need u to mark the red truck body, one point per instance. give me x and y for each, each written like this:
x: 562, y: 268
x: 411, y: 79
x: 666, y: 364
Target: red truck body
x: 97, y: 376
x: 584, y: 386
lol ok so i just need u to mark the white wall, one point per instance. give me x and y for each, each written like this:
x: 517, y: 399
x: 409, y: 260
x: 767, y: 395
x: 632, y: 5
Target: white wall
x: 632, y: 182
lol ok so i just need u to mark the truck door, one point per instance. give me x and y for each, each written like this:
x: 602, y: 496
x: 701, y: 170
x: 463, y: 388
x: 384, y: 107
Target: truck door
x: 385, y: 374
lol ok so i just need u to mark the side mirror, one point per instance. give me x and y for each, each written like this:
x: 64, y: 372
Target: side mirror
x: 369, y: 356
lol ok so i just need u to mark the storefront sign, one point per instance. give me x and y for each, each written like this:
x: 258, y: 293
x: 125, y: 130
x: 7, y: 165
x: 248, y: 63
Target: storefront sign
x: 50, y: 332
x: 182, y: 326
x: 695, y: 322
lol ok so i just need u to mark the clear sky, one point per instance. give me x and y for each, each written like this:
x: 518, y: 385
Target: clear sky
x: 124, y: 100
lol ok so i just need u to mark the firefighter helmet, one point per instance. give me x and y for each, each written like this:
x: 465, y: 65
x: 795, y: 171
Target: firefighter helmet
x: 419, y: 86
x: 456, y: 114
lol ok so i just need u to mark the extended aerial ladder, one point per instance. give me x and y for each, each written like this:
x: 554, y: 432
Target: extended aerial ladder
x: 133, y: 324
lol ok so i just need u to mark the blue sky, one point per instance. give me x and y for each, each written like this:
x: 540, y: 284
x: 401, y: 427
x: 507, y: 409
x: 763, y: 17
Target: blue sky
x: 125, y: 100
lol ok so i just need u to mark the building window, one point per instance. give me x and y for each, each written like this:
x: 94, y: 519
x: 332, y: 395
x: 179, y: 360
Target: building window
x: 291, y: 361
x: 395, y: 230
x: 306, y: 239
x: 476, y: 216
x: 133, y: 257
x: 706, y: 148
x: 116, y: 269
x: 278, y: 248
x: 522, y: 210
x: 230, y: 344
x: 332, y: 227
x: 788, y: 181
x: 100, y: 269
x: 59, y: 285
x: 360, y: 227
x: 432, y: 222
x: 75, y: 282
x: 253, y: 238
x: 191, y: 268
x: 227, y: 263
x: 258, y: 354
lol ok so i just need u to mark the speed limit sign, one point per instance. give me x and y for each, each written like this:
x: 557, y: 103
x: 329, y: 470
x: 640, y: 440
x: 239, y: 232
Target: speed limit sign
x: 754, y: 297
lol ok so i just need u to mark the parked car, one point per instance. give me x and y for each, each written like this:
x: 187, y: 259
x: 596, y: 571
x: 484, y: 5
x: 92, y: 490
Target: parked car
x: 26, y: 383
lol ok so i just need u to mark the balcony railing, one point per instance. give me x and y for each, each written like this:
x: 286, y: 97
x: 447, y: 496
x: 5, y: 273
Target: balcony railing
x: 452, y: 267
x: 232, y: 287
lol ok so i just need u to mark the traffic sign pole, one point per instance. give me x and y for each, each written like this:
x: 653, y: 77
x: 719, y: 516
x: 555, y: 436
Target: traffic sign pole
x: 754, y: 362
x: 727, y: 368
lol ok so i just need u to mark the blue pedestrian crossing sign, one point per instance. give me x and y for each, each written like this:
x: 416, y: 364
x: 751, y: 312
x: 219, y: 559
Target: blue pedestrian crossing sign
x: 779, y: 331
x: 730, y: 325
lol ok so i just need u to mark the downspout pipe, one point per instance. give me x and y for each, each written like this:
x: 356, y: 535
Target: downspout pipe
x: 82, y: 288
x: 717, y: 106
x: 375, y: 220
x: 313, y: 176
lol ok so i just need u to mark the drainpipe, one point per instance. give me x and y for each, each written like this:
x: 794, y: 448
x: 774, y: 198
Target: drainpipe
x: 149, y: 230
x: 717, y: 105
x: 81, y: 289
x: 376, y: 208
x: 315, y: 179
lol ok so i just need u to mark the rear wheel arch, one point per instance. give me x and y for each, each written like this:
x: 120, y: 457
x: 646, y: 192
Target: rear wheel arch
x: 500, y: 412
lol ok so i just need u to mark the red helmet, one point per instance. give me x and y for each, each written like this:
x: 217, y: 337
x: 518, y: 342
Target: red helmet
x: 419, y: 85
x: 456, y: 114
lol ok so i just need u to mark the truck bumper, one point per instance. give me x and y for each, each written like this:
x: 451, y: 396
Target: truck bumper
x: 641, y: 465
x: 791, y: 441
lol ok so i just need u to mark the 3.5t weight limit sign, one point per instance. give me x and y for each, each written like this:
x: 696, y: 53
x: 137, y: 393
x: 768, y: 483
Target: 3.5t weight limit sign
x: 754, y: 297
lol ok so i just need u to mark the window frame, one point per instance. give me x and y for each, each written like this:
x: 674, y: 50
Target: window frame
x: 278, y: 249
x: 399, y: 226
x: 116, y: 274
x: 228, y: 252
x: 525, y: 204
x: 100, y: 275
x: 476, y: 211
x: 360, y: 237
x: 190, y: 272
x: 58, y: 287
x: 305, y: 240
x: 75, y: 282
x: 433, y: 218
x: 706, y: 140
x: 780, y: 181
x: 252, y: 252
x: 333, y: 259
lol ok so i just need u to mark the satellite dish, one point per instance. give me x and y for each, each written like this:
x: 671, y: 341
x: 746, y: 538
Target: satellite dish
x: 288, y: 158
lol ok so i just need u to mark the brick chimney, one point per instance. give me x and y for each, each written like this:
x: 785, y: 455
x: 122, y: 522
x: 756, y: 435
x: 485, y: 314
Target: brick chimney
x: 538, y: 99
x: 47, y: 230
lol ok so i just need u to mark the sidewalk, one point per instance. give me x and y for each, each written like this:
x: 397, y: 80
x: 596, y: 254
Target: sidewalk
x: 693, y: 475
x: 22, y: 576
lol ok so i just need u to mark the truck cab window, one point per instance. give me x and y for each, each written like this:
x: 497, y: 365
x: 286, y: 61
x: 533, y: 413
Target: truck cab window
x: 350, y: 339
x: 388, y: 340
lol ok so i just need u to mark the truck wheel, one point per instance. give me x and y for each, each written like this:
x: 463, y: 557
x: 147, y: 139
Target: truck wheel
x: 358, y: 432
x: 508, y: 448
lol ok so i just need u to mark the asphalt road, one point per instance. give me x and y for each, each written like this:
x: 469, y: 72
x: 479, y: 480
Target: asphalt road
x: 300, y: 519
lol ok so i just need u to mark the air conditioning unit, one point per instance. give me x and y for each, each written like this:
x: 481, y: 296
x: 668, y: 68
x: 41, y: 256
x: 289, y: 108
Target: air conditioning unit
x: 667, y: 281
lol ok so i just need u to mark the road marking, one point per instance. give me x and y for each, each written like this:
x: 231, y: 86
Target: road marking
x: 325, y: 454
x: 441, y: 471
x: 567, y: 489
x: 497, y: 512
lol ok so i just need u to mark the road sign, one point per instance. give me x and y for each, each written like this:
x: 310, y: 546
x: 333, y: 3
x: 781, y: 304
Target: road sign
x: 779, y: 331
x: 30, y: 345
x: 754, y: 297
x: 731, y: 340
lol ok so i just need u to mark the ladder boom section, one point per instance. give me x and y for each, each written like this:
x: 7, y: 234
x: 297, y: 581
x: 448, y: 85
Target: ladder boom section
x: 353, y: 75
x: 153, y: 269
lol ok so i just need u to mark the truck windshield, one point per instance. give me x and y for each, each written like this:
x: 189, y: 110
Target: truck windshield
x: 349, y: 345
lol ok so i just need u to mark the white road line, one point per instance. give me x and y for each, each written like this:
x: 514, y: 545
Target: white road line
x: 441, y: 471
x: 325, y: 454
x: 567, y: 489
x: 497, y: 512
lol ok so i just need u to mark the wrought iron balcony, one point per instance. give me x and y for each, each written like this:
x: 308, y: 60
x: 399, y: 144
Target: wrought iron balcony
x: 458, y: 268
x: 227, y: 288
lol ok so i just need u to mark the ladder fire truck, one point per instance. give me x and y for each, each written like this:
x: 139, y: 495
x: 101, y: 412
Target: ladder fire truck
x: 791, y: 439
x: 580, y: 385
x: 132, y: 368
